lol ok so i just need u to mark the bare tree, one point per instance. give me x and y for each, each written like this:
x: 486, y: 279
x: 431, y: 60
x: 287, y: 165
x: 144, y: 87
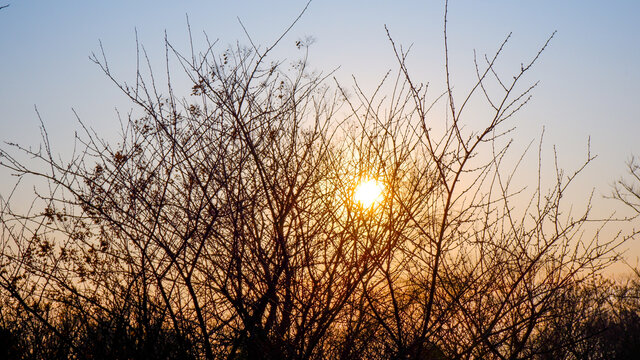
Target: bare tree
x: 472, y: 266
x: 628, y: 190
x: 225, y: 224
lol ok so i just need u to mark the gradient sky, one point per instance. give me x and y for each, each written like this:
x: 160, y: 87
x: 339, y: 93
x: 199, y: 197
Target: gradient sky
x: 589, y: 76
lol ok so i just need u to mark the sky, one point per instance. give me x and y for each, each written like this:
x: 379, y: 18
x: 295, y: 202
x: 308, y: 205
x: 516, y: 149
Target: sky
x: 589, y: 76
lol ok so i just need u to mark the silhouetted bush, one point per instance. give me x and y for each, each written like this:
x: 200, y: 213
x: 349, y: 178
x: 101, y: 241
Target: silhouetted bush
x: 223, y: 225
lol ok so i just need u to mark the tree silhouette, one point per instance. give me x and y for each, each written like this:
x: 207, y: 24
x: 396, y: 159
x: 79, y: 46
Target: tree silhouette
x: 223, y: 224
x: 628, y: 190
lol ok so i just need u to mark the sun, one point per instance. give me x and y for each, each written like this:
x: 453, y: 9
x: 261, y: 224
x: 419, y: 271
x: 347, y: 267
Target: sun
x: 368, y: 192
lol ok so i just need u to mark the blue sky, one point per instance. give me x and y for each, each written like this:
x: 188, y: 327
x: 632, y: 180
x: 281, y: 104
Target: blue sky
x: 589, y: 76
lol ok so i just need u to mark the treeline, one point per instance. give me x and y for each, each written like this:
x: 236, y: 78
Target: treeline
x: 596, y: 320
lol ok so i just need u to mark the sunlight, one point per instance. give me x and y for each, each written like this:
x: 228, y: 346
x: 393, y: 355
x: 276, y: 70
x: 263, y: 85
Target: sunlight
x: 369, y: 193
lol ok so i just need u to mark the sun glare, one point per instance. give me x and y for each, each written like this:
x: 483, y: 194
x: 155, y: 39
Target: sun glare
x: 368, y: 193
